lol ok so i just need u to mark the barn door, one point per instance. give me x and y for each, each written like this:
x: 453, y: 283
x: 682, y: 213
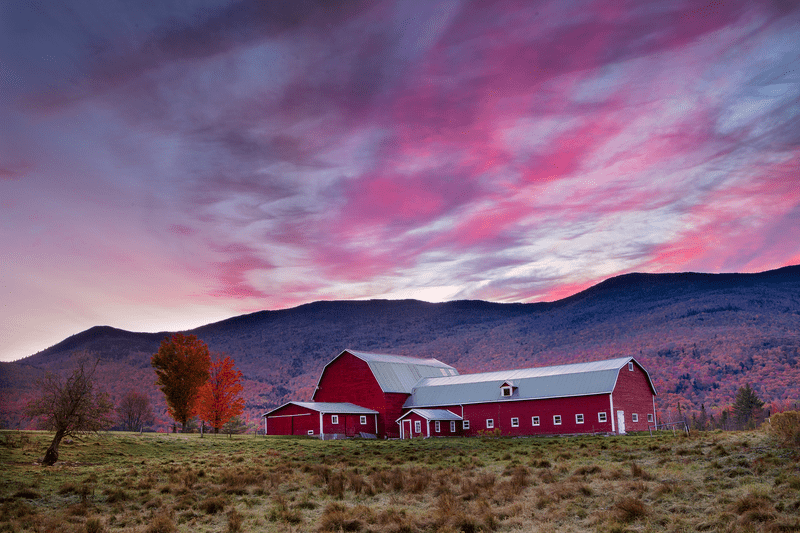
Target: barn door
x: 407, y: 429
x: 621, y: 422
x: 350, y: 425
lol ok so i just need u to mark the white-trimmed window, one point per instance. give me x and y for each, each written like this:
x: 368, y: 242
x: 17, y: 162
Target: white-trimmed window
x: 635, y: 417
x: 630, y: 366
x: 438, y: 426
x: 417, y: 426
x: 465, y: 424
x: 649, y: 417
x: 505, y: 391
x: 489, y: 423
x: 310, y: 431
x: 579, y: 419
x: 556, y: 420
x: 535, y: 420
x: 452, y: 426
x: 363, y: 420
x: 515, y: 422
x: 601, y: 417
x: 334, y: 419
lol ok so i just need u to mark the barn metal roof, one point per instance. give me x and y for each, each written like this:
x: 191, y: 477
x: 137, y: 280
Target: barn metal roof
x: 581, y: 379
x: 432, y: 414
x: 329, y: 407
x: 398, y: 373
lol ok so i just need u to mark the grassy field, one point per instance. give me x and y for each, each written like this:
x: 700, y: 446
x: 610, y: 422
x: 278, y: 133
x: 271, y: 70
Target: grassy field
x: 158, y: 483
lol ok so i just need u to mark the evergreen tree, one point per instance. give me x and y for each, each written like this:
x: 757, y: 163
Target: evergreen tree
x: 746, y: 407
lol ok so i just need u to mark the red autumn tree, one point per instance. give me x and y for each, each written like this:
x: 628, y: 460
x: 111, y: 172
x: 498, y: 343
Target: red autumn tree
x: 182, y: 365
x: 218, y: 399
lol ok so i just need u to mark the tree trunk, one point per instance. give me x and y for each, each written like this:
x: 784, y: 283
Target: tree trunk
x: 51, y: 455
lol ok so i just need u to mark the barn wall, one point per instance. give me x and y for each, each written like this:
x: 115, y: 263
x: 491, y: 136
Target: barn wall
x: 502, y: 412
x: 349, y: 379
x: 349, y: 424
x: 632, y: 394
x: 281, y: 423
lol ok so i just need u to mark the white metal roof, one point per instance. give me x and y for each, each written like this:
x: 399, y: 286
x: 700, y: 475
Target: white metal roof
x: 398, y: 373
x: 579, y: 379
x: 432, y: 414
x: 329, y: 407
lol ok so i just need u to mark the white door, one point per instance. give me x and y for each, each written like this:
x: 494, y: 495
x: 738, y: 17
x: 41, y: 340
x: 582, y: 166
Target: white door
x: 621, y: 422
x: 407, y: 430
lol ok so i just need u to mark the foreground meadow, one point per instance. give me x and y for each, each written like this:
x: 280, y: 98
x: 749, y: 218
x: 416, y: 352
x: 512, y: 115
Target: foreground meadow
x: 160, y: 483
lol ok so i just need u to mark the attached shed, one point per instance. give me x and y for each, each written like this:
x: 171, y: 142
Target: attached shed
x: 612, y: 396
x: 429, y: 423
x: 376, y: 381
x: 323, y: 419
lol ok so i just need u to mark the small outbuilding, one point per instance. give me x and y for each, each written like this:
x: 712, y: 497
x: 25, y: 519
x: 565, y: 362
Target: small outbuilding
x: 322, y: 419
x: 429, y: 423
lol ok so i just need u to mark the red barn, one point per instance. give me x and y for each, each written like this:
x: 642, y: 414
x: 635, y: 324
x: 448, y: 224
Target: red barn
x: 413, y: 397
x: 613, y: 396
x: 376, y: 381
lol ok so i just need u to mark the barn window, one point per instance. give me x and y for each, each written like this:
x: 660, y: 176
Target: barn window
x: 579, y: 419
x: 417, y: 426
x: 310, y: 431
x: 650, y: 417
x: 535, y: 420
x: 438, y: 426
x: 465, y: 424
x: 515, y: 422
x: 452, y: 426
x: 635, y: 417
x: 556, y: 420
x: 505, y: 391
x: 630, y: 367
x: 363, y: 420
x: 489, y: 423
x: 601, y: 417
x: 334, y: 419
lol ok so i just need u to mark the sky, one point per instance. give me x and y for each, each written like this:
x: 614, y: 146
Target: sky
x: 164, y: 165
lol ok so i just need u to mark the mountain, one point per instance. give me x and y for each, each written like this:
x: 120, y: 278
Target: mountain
x: 701, y: 336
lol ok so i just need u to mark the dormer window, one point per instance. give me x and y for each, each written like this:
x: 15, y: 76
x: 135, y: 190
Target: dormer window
x: 506, y: 389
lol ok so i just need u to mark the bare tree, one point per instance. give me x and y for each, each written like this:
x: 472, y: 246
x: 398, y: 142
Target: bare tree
x: 134, y: 411
x: 70, y: 407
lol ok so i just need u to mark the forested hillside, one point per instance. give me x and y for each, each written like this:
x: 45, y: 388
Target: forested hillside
x: 701, y: 336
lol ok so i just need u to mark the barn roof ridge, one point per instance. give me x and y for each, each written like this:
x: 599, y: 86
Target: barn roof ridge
x: 523, y: 373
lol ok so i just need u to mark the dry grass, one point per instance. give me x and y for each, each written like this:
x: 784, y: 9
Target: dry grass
x: 180, y: 483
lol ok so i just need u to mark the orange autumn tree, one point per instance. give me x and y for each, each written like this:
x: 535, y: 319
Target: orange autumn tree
x: 182, y: 366
x: 218, y: 400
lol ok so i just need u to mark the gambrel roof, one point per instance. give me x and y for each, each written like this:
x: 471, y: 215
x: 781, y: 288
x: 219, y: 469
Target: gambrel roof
x: 398, y: 373
x: 559, y: 381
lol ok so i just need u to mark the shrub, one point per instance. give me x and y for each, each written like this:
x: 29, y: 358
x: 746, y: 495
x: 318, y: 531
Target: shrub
x: 93, y: 525
x: 638, y: 472
x: 162, y: 523
x: 338, y: 517
x: 116, y: 495
x: 213, y: 505
x: 785, y: 428
x: 234, y: 521
x: 27, y: 493
x: 630, y: 509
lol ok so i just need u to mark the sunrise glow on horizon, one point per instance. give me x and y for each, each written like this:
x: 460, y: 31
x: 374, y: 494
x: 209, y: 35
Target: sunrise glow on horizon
x: 165, y: 166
